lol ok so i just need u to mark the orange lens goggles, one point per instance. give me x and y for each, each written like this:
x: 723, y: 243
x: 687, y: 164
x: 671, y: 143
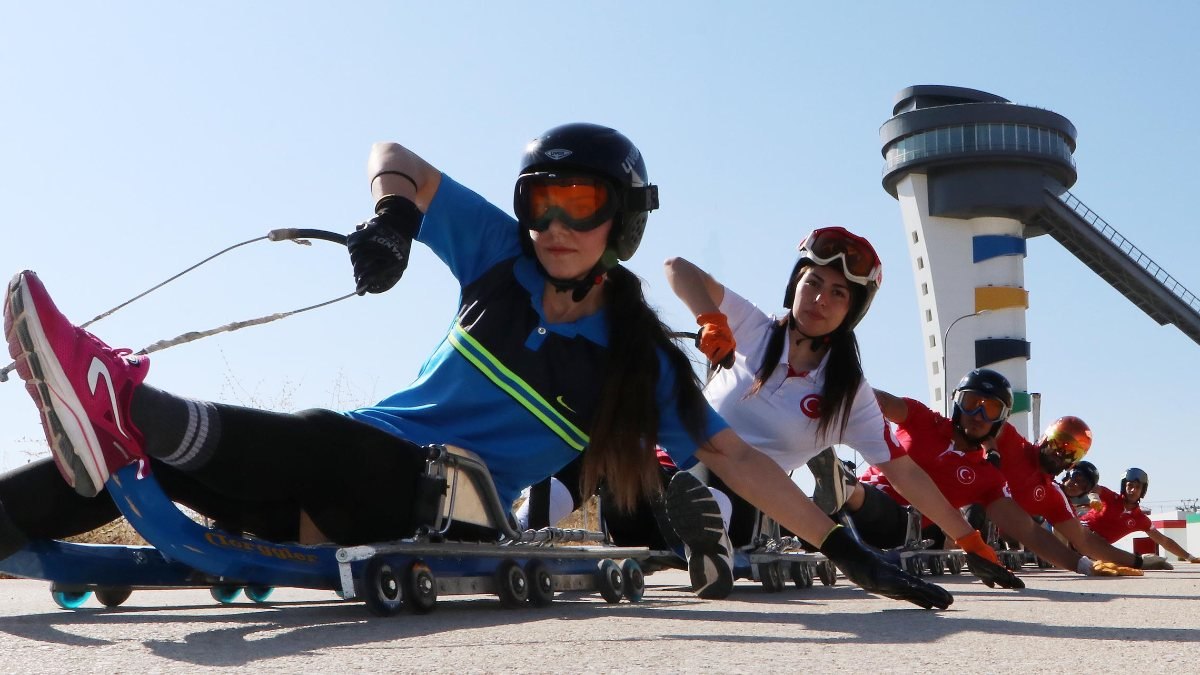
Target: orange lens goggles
x: 579, y: 202
x: 860, y: 263
x: 973, y: 403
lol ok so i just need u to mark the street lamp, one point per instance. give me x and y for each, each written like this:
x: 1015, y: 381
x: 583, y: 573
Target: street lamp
x: 945, y: 360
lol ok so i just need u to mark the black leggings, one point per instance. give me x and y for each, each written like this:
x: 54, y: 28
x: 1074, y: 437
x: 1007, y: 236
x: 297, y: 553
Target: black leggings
x: 641, y: 527
x: 356, y: 482
x: 883, y: 523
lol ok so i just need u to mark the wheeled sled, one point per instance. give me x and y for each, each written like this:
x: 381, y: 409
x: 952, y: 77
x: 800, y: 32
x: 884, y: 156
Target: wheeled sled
x: 773, y: 559
x: 518, y: 567
x: 917, y: 557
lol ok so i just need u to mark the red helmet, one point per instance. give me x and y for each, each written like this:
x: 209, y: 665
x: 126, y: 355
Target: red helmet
x: 1065, y: 442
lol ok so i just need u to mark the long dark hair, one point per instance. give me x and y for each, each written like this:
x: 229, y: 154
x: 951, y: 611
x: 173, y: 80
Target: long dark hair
x: 625, y: 431
x: 843, y: 370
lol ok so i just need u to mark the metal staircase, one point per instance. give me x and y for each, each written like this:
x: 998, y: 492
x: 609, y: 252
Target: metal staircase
x: 1110, y: 255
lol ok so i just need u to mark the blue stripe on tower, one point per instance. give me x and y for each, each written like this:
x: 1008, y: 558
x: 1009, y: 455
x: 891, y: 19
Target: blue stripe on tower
x: 993, y: 350
x: 988, y: 246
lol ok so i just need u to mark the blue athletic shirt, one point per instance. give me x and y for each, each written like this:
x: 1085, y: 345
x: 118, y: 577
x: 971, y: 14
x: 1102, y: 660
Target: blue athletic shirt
x: 508, y: 385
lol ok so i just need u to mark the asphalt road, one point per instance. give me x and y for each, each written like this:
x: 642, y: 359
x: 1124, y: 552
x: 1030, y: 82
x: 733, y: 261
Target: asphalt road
x: 1062, y: 622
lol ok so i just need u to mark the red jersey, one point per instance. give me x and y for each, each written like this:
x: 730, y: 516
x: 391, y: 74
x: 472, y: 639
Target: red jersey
x: 1114, y: 521
x: 1033, y: 489
x: 963, y: 477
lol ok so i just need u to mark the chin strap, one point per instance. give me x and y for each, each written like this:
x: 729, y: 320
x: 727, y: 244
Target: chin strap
x: 579, y: 288
x: 815, y: 342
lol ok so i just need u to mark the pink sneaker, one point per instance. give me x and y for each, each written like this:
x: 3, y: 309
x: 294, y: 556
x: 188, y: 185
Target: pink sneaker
x: 82, y: 387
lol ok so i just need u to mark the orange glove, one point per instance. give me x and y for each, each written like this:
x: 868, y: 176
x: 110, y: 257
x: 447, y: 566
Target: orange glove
x: 973, y: 543
x: 715, y: 339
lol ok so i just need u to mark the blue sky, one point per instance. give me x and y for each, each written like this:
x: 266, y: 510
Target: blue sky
x: 138, y: 138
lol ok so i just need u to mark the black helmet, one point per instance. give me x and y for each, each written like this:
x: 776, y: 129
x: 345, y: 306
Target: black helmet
x: 1084, y: 471
x: 1136, y: 475
x: 602, y: 152
x: 988, y: 383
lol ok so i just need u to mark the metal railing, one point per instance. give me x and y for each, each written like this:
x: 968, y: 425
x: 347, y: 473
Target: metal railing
x: 1132, y: 252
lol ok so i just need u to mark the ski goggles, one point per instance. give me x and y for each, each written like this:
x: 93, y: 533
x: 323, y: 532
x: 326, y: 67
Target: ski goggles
x: 1068, y: 450
x: 582, y: 203
x: 860, y: 263
x: 973, y: 403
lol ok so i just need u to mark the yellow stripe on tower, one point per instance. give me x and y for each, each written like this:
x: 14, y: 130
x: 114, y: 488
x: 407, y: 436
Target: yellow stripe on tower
x: 1000, y: 297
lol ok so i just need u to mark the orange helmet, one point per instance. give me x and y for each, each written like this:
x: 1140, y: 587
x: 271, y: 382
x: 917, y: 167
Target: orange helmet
x: 1065, y: 442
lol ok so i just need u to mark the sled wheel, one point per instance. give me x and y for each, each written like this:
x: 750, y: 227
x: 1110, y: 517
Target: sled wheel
x: 956, y: 565
x: 381, y: 588
x: 610, y: 581
x: 635, y: 581
x: 258, y: 592
x: 1042, y: 563
x: 827, y: 573
x: 512, y: 586
x: 802, y: 575
x: 913, y: 566
x: 68, y: 599
x: 772, y: 576
x: 937, y: 566
x: 225, y: 594
x: 113, y: 596
x: 420, y: 588
x: 541, y: 583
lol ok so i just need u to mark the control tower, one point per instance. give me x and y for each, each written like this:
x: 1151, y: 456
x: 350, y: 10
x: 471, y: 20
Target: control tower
x: 976, y: 175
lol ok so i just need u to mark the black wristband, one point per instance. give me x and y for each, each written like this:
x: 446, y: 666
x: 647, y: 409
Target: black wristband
x: 402, y: 175
x: 1138, y: 561
x: 401, y: 213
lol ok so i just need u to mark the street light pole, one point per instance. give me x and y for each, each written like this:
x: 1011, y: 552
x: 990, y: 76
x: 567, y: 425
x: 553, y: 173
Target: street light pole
x: 945, y: 360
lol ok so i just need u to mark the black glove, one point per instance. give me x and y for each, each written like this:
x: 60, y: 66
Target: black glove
x: 992, y: 574
x: 379, y: 249
x: 875, y: 575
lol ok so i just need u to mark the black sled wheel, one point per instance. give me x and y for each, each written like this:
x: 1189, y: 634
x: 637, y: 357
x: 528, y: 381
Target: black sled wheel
x: 912, y: 565
x: 113, y: 596
x: 381, y: 590
x: 541, y: 583
x: 827, y: 573
x: 609, y: 581
x: 956, y: 564
x: 420, y: 588
x: 512, y: 586
x: 802, y: 575
x: 635, y: 581
x: 772, y: 576
x: 937, y: 566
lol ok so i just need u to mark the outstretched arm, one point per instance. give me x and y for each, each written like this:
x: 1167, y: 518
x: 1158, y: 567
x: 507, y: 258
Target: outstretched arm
x: 1011, y: 518
x: 759, y: 480
x: 1171, y: 545
x: 894, y: 408
x: 1093, y: 545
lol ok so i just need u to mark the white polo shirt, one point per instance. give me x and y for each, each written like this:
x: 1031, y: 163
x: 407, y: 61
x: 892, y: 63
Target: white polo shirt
x: 781, y: 419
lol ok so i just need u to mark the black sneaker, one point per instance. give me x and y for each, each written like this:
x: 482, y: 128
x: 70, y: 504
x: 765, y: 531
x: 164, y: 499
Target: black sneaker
x: 834, y: 481
x: 696, y: 518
